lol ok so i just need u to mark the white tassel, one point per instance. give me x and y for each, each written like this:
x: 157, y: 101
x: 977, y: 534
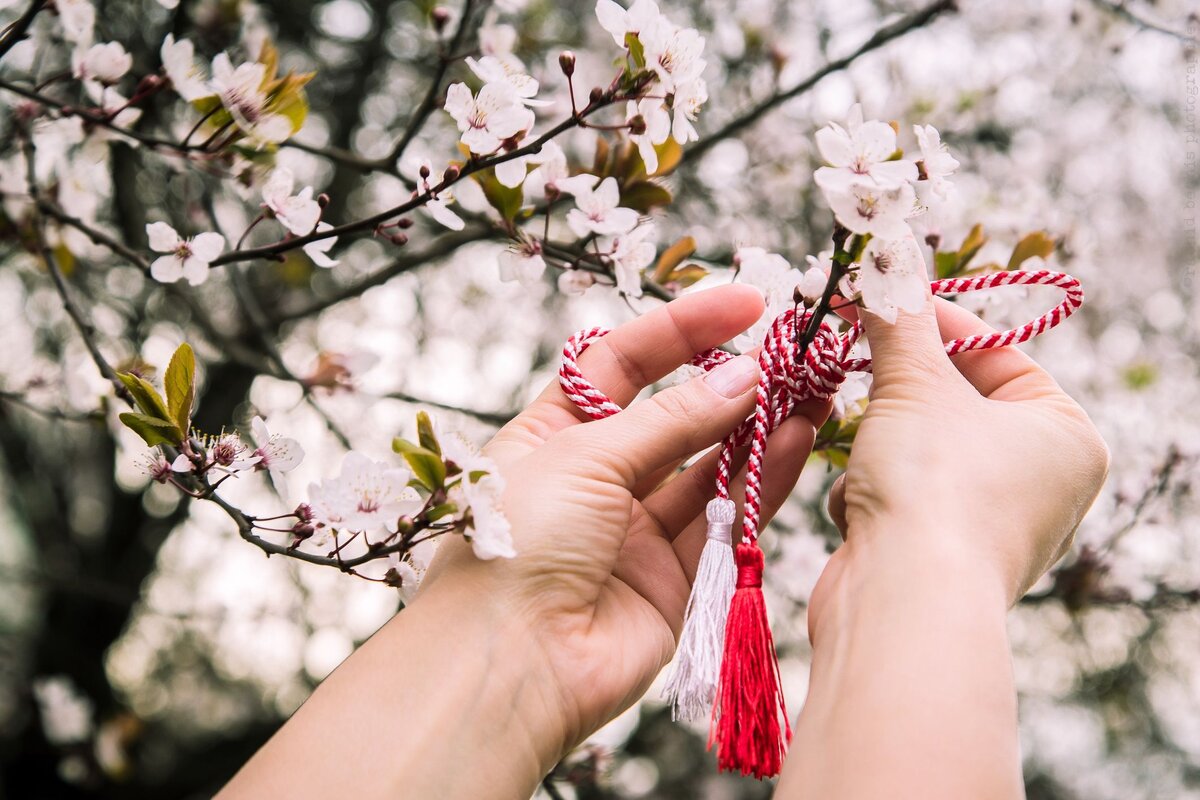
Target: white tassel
x: 698, y: 661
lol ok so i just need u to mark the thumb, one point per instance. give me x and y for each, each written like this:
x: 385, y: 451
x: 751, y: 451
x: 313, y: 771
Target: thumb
x: 906, y: 346
x: 676, y: 422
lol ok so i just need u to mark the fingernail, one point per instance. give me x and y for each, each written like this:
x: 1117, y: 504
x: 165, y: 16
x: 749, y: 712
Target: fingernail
x: 734, y: 377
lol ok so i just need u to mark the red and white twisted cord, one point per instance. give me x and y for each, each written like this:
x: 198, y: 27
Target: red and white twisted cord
x: 786, y: 379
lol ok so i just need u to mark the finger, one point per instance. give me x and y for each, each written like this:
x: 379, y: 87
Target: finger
x: 633, y: 356
x: 837, y: 504
x: 662, y: 571
x: 669, y: 472
x: 1001, y: 373
x: 908, y: 351
x: 681, y: 500
x: 788, y: 450
x: 665, y: 427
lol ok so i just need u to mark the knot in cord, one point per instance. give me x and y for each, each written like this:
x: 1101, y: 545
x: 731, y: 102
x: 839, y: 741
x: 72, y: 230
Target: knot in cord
x: 787, y: 378
x: 749, y: 557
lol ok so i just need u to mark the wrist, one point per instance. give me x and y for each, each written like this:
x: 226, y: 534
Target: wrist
x: 493, y: 702
x: 909, y: 566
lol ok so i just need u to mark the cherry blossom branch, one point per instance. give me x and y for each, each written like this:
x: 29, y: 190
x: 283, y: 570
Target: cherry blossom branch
x: 496, y: 418
x: 18, y: 399
x: 443, y: 246
x: 1121, y: 9
x: 448, y: 180
x: 103, y: 120
x: 16, y: 31
x: 429, y: 102
x: 882, y: 36
x: 82, y: 324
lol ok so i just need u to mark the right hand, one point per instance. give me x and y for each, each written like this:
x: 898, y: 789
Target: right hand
x: 978, y: 462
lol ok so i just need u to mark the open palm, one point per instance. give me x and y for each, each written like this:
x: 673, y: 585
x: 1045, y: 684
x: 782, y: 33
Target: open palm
x: 608, y: 531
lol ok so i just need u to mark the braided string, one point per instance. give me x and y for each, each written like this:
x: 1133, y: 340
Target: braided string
x: 786, y: 379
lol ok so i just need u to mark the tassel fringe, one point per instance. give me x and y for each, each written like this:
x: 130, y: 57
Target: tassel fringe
x: 698, y: 661
x: 750, y: 722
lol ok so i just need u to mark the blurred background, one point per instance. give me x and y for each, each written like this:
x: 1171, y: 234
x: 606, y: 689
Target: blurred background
x: 146, y: 651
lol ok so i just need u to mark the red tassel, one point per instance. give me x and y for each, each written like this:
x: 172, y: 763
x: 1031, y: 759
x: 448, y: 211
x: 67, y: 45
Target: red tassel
x: 750, y: 721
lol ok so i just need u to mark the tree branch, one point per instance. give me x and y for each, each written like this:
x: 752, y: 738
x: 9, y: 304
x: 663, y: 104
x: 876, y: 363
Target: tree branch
x: 1121, y: 9
x: 16, y: 31
x: 887, y: 33
x: 445, y: 57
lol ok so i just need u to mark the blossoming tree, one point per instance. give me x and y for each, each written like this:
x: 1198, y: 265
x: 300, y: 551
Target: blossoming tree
x: 213, y: 214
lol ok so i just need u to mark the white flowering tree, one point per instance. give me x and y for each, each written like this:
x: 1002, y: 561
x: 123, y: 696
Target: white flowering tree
x: 254, y: 250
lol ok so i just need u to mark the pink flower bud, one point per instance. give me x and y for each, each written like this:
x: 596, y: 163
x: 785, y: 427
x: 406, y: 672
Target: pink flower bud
x: 451, y: 174
x: 439, y: 17
x: 566, y: 62
x: 404, y: 223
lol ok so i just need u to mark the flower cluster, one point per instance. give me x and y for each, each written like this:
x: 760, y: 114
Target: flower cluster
x: 874, y: 191
x: 247, y: 98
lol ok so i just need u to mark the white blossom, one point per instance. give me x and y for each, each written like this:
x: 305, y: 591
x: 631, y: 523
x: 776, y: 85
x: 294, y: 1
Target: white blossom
x: 367, y: 495
x: 658, y: 129
x: 496, y: 40
x: 187, y: 76
x: 685, y: 105
x: 598, y: 211
x: 772, y: 275
x: 490, y: 117
x: 673, y: 53
x: 507, y: 70
x: 937, y: 165
x: 106, y: 63
x: 318, y: 251
x: 439, y: 209
x: 522, y: 262
x: 860, y: 153
x: 574, y: 282
x: 865, y: 207
x: 812, y: 282
x: 478, y: 494
x: 78, y: 20
x: 630, y: 253
x: 619, y: 22
x: 298, y: 213
x: 276, y: 454
x: 187, y: 258
x: 241, y: 92
x: 892, y: 277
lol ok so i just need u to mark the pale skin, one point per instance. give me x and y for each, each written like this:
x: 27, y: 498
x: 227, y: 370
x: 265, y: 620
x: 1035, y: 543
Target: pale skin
x: 967, y: 480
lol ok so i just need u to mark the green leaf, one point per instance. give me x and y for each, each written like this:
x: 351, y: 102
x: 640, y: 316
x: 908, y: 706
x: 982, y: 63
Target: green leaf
x: 180, y: 385
x: 146, y: 397
x: 427, y: 466
x: 970, y: 246
x: 425, y: 434
x: 643, y: 196
x: 154, y: 431
x: 945, y: 264
x: 672, y: 257
x: 952, y: 264
x: 636, y: 51
x: 507, y: 201
x: 437, y: 512
x: 1031, y: 244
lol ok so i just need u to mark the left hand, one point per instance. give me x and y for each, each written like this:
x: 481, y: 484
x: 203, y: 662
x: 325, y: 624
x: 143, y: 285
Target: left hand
x: 607, y: 540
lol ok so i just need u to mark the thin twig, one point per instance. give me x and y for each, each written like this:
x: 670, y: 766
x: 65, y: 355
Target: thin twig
x: 887, y: 33
x: 1122, y: 10
x: 445, y: 57
x: 16, y: 31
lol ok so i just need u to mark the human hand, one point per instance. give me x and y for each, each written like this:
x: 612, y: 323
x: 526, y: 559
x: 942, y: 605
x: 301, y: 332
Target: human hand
x: 606, y: 551
x: 979, y: 463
